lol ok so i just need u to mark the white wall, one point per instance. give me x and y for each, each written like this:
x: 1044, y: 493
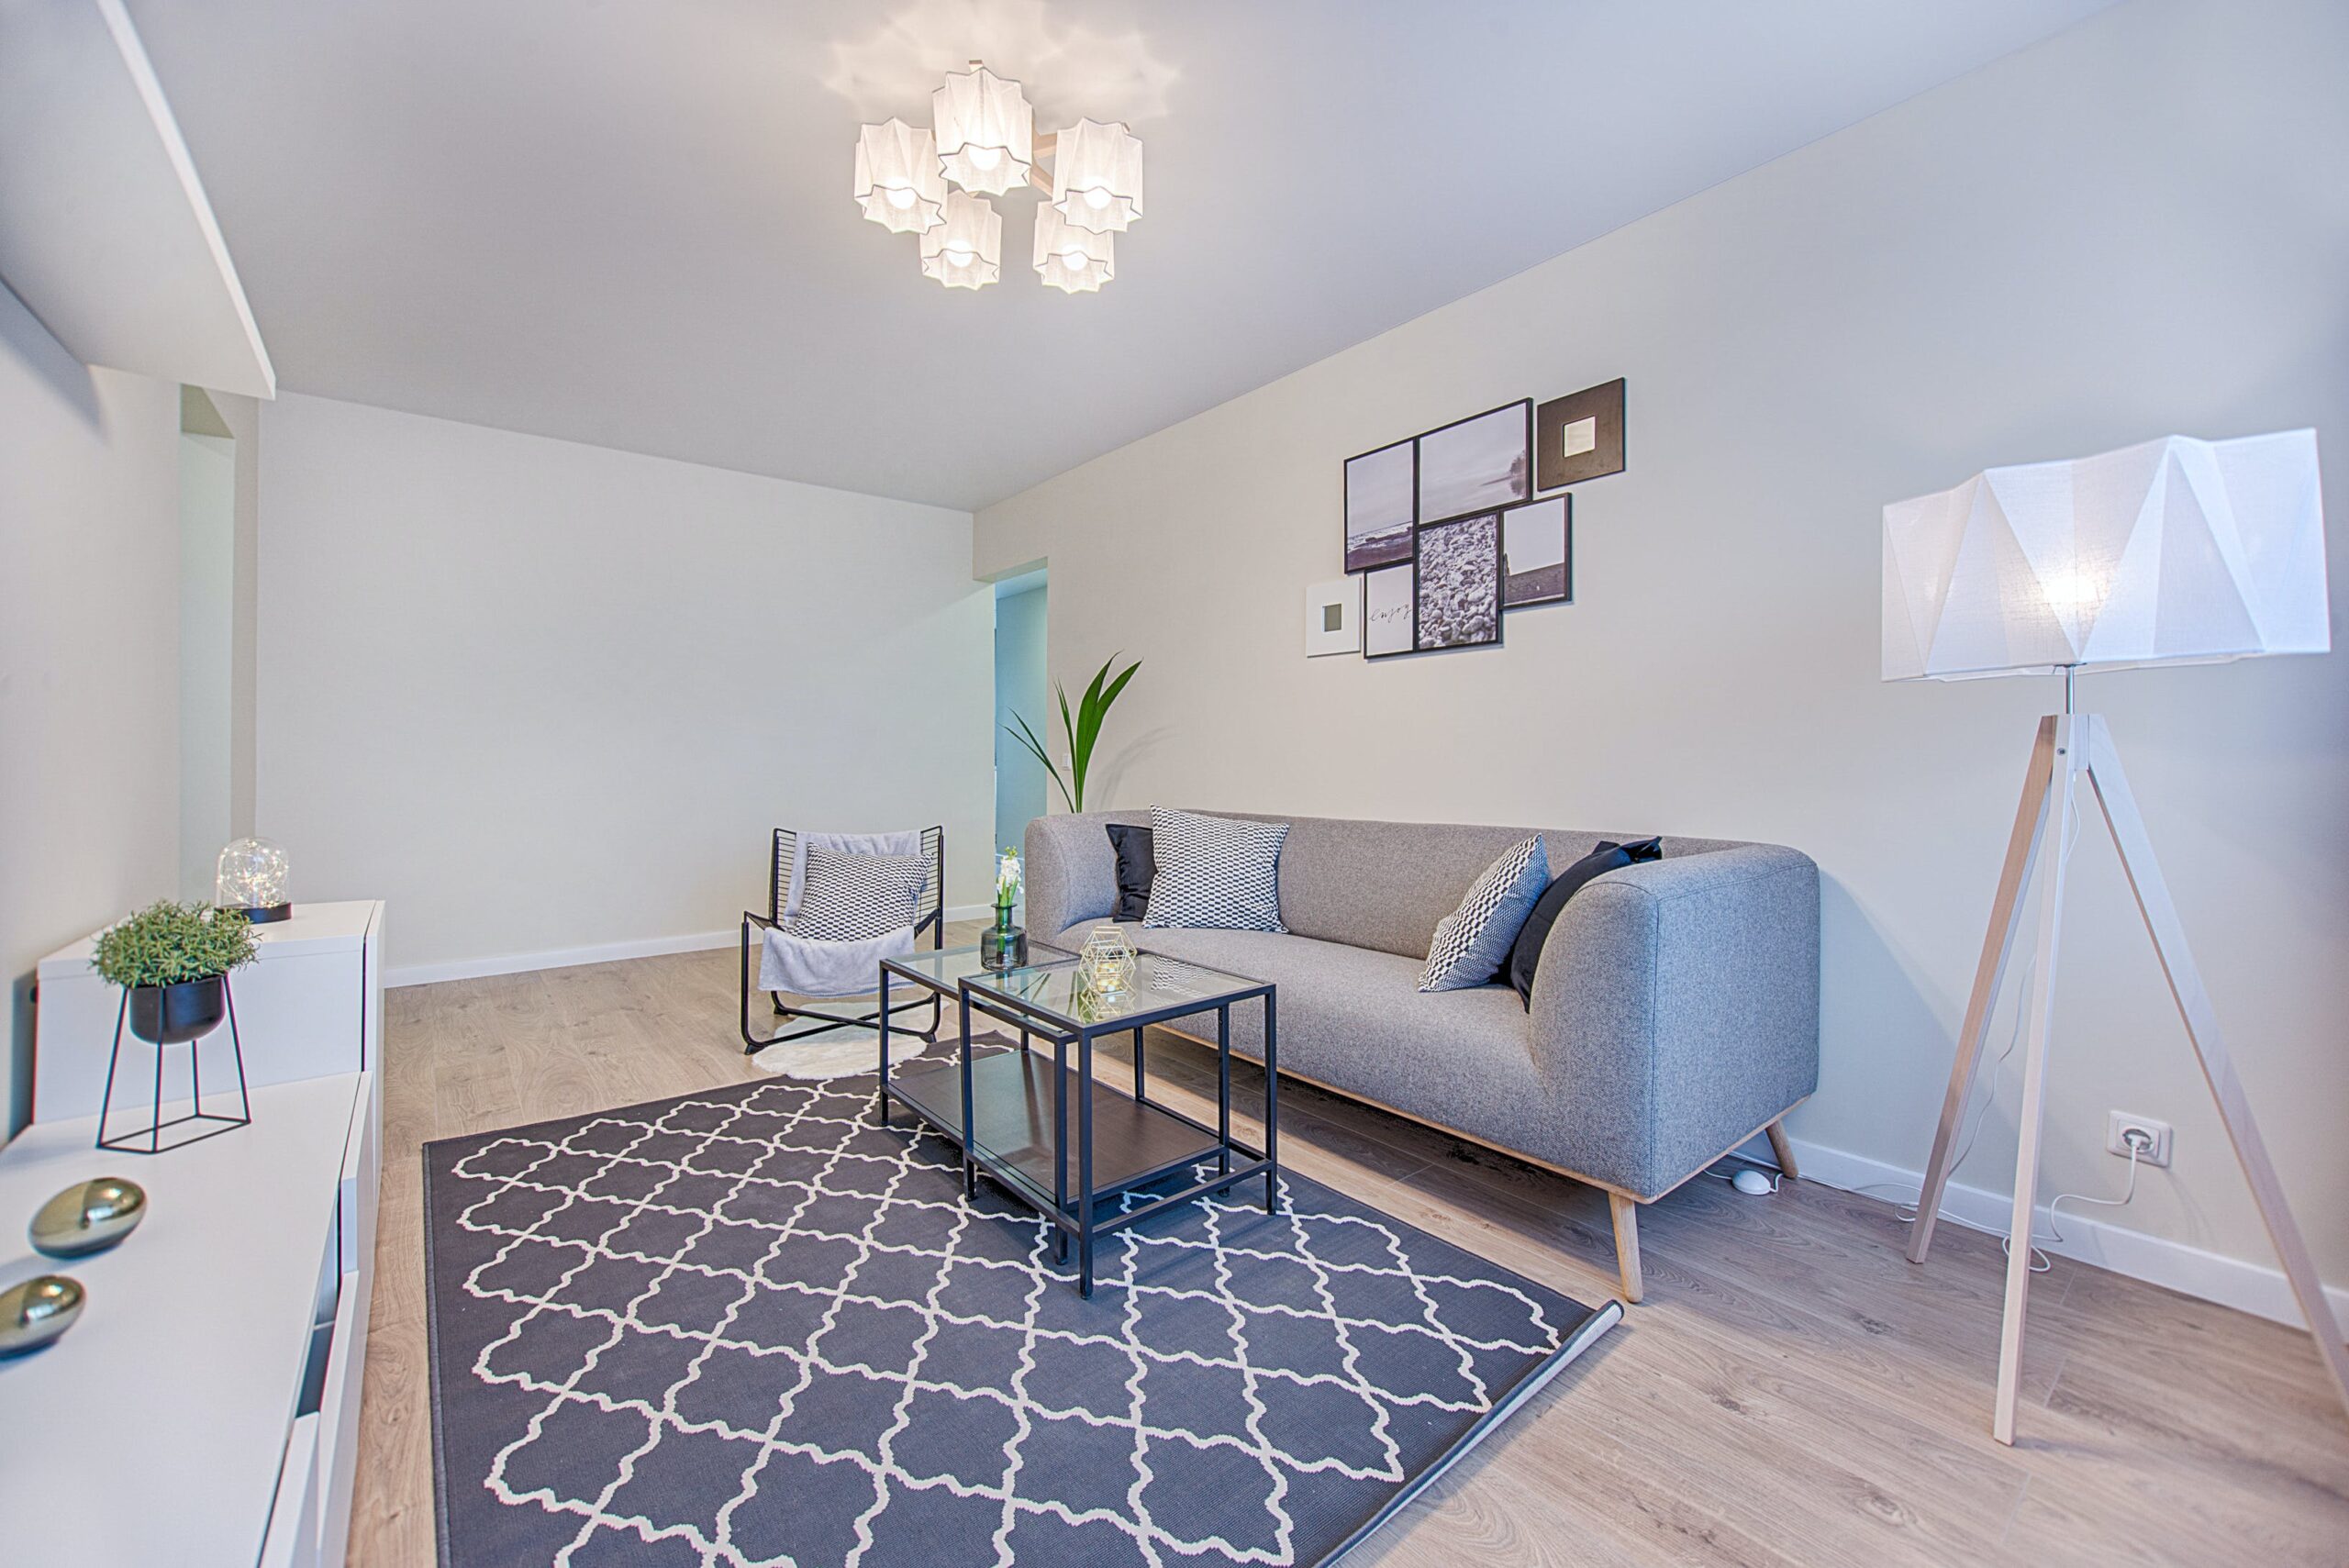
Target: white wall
x: 242, y: 416
x: 89, y: 643
x: 2136, y: 227
x: 1022, y: 790
x: 551, y: 699
x: 207, y: 654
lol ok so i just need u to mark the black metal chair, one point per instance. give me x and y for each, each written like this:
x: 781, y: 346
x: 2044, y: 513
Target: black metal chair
x: 930, y: 915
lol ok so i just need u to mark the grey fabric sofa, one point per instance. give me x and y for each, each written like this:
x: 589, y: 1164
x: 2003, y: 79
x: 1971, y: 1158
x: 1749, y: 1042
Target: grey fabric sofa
x: 1675, y: 1014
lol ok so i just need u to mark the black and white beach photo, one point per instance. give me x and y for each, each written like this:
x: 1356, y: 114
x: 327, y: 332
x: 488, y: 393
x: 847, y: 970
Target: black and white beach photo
x: 1459, y: 569
x: 1378, y: 507
x: 1537, y: 549
x: 1477, y: 464
x: 1386, y: 611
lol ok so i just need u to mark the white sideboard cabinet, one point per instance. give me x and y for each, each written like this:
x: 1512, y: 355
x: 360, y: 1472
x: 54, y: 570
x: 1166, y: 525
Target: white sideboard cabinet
x: 206, y: 1407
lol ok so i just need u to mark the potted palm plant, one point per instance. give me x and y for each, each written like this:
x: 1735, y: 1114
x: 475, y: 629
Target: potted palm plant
x: 1082, y: 727
x: 173, y: 959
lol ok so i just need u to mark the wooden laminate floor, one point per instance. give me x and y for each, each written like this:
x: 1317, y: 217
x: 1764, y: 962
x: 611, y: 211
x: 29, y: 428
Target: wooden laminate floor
x: 1793, y: 1391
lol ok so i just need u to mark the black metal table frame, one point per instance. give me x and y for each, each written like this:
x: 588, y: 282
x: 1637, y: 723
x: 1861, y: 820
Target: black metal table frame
x: 1035, y: 1021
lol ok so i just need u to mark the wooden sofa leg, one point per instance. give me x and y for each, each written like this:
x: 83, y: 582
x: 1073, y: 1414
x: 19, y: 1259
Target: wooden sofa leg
x: 1784, y: 1151
x: 1626, y: 1212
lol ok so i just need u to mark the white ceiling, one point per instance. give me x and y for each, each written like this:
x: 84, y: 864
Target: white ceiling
x: 627, y: 221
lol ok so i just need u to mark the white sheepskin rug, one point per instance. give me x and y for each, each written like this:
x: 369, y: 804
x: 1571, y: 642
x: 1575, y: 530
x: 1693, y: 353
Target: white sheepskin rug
x: 835, y: 1053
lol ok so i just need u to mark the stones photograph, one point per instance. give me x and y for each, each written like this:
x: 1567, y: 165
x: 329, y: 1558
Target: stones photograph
x: 1459, y: 583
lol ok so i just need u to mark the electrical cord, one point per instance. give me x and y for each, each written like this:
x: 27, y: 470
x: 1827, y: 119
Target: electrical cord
x: 2139, y: 1144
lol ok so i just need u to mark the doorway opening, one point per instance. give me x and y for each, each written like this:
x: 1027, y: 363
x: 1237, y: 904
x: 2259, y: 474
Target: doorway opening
x: 1021, y: 690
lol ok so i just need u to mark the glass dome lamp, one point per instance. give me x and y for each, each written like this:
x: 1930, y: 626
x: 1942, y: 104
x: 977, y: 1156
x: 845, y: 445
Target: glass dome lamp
x: 898, y: 183
x: 252, y: 877
x: 1072, y: 259
x: 985, y: 130
x: 967, y: 251
x: 1097, y: 176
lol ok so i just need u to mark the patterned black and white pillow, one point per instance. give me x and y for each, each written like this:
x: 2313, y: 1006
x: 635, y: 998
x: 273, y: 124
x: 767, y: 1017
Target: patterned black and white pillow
x: 853, y: 899
x: 1215, y: 871
x: 1472, y: 943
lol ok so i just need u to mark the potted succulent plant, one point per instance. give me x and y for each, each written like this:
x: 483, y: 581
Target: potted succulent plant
x: 172, y: 958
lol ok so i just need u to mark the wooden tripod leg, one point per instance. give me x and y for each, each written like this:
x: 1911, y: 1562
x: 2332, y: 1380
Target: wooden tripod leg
x: 2209, y: 1048
x: 1997, y: 944
x: 2041, y: 1014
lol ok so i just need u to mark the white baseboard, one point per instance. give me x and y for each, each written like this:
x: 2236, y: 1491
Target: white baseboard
x: 556, y: 958
x: 604, y: 952
x: 2191, y: 1271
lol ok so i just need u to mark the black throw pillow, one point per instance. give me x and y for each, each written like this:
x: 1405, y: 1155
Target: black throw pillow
x: 1526, y: 956
x: 1136, y: 871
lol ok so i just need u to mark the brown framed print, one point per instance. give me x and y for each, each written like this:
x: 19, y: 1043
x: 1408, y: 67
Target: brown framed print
x: 1456, y: 597
x: 1579, y: 436
x: 1538, y: 552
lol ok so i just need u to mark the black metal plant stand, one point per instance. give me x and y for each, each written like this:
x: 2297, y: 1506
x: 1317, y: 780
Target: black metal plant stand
x: 152, y: 1135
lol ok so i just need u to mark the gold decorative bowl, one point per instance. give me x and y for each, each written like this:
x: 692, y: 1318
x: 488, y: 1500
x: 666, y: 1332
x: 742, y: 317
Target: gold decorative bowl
x: 89, y: 1217
x: 34, y: 1313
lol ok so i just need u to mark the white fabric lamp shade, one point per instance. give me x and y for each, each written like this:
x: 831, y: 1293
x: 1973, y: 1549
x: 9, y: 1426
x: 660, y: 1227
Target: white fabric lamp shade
x: 898, y: 183
x: 1097, y: 176
x: 985, y: 131
x: 2175, y: 551
x: 967, y: 251
x: 1072, y: 259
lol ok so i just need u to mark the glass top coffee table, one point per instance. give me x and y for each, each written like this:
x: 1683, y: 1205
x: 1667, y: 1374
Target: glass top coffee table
x: 1047, y: 1129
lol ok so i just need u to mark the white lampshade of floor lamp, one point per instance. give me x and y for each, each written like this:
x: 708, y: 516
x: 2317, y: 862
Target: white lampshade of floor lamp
x: 2175, y: 552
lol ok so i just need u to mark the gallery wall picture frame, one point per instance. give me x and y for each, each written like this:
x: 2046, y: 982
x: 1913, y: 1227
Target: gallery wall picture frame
x: 1456, y: 584
x: 1579, y: 436
x: 1380, y: 504
x: 1475, y: 465
x: 1389, y: 596
x: 1538, y: 552
x: 1333, y: 618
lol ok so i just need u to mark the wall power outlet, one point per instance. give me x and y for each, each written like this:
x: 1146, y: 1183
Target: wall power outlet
x: 2119, y: 1125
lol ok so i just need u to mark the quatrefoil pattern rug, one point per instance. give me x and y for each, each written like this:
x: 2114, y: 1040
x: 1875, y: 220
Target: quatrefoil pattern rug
x: 755, y: 1327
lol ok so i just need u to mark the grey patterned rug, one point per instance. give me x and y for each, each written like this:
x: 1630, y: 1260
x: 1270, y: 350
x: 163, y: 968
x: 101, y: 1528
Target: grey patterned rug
x: 751, y: 1326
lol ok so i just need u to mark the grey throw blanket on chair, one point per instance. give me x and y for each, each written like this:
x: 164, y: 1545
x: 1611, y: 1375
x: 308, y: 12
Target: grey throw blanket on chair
x: 795, y: 964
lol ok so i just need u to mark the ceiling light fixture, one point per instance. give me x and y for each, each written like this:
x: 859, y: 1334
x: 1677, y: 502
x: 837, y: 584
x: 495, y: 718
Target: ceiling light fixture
x: 985, y: 142
x: 898, y: 183
x: 1097, y: 176
x: 967, y: 251
x: 986, y: 132
x: 1070, y: 259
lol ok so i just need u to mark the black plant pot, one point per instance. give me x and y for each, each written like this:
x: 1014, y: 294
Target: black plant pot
x: 174, y: 1014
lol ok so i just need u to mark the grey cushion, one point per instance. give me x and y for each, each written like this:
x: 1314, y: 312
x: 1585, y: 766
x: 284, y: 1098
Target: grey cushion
x: 1471, y: 943
x: 854, y: 898
x: 1215, y: 871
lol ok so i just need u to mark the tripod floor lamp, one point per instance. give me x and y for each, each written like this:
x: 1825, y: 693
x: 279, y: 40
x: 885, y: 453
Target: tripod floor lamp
x: 2175, y: 551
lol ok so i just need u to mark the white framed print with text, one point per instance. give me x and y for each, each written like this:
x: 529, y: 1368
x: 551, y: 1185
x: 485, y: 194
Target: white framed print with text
x: 1333, y: 618
x: 1387, y: 607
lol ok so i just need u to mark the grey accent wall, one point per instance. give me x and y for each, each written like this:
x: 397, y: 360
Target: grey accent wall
x: 2136, y: 227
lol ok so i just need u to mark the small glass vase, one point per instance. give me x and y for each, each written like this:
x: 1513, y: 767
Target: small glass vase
x: 1003, y: 945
